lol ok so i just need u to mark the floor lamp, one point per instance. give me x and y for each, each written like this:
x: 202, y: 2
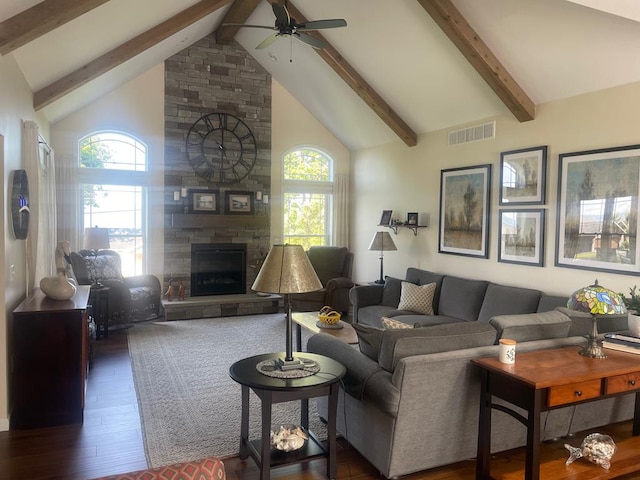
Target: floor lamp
x: 382, y: 242
x: 287, y: 270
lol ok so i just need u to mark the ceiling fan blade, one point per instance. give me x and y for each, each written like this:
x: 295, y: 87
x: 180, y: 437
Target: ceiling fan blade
x: 282, y: 15
x: 249, y: 26
x: 320, y: 24
x: 268, y: 41
x: 310, y: 40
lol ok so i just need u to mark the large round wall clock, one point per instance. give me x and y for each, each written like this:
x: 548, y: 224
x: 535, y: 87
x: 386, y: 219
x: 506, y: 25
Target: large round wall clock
x: 20, y: 204
x: 221, y: 148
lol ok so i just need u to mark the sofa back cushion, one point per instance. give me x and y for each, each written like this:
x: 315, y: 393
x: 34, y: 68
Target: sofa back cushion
x: 369, y: 340
x: 551, y: 302
x: 391, y: 292
x: 400, y: 343
x: 424, y: 277
x: 582, y: 322
x: 532, y: 326
x: 504, y: 300
x: 461, y: 298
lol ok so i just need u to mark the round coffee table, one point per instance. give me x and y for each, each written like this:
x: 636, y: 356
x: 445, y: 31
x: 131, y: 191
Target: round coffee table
x: 272, y: 390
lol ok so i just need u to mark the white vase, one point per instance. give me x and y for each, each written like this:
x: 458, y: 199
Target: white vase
x: 58, y: 287
x: 634, y: 324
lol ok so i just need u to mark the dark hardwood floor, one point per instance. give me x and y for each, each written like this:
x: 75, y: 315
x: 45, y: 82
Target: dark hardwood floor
x: 110, y: 440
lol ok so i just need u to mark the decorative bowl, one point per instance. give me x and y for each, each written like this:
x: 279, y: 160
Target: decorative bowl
x: 329, y: 316
x: 289, y: 438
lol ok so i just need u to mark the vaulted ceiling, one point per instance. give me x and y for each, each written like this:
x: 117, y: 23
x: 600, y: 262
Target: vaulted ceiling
x: 399, y: 69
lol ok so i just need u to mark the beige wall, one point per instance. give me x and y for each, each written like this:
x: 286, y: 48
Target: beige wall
x: 405, y: 179
x: 136, y: 108
x: 293, y: 126
x: 16, y: 101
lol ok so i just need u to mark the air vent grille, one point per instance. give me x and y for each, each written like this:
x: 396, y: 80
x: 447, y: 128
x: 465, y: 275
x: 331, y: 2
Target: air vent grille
x: 473, y: 134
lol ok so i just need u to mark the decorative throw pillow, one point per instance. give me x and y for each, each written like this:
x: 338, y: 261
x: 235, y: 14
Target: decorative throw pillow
x: 417, y: 298
x: 390, y: 324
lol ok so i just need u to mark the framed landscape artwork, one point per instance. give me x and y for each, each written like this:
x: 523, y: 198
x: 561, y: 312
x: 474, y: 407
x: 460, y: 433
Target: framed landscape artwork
x: 204, y: 201
x: 523, y: 175
x: 521, y: 237
x: 464, y: 211
x: 239, y: 203
x: 597, y: 220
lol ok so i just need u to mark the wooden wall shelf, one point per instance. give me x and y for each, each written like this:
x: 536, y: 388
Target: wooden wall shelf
x: 413, y: 228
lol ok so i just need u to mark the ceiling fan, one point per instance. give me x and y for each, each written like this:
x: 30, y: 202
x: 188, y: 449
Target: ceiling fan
x: 285, y: 24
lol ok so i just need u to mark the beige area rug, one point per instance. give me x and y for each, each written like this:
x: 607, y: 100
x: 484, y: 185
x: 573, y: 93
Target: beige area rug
x: 189, y: 406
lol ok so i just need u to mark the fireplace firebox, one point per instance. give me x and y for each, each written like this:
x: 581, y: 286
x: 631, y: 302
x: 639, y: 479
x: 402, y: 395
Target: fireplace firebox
x: 218, y: 269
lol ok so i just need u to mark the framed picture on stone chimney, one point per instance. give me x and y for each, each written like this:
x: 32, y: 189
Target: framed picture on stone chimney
x: 239, y: 203
x: 204, y: 201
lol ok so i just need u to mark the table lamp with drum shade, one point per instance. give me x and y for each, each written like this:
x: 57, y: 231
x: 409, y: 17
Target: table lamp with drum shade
x: 597, y: 301
x: 96, y: 239
x: 287, y: 270
x: 382, y: 242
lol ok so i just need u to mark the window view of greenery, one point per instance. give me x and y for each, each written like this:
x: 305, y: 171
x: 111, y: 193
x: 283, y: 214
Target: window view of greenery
x: 307, y: 198
x: 111, y: 197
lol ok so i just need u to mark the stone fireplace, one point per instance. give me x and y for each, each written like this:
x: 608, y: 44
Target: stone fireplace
x: 218, y: 269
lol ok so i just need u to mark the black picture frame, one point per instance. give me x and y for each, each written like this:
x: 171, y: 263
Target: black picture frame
x: 597, y: 218
x: 412, y: 218
x: 385, y: 219
x: 521, y: 236
x: 465, y: 200
x: 523, y: 176
x: 204, y: 201
x: 239, y: 203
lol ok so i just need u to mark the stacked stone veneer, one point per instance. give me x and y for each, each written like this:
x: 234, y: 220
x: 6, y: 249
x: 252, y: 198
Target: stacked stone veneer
x: 202, y: 79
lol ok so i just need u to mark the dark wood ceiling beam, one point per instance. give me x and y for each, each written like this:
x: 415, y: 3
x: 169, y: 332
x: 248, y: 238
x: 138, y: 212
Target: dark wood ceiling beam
x: 42, y: 18
x: 239, y: 12
x: 124, y: 52
x: 359, y: 85
x: 453, y: 24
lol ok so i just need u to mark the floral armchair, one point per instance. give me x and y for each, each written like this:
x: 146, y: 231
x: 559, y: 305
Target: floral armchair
x: 130, y: 298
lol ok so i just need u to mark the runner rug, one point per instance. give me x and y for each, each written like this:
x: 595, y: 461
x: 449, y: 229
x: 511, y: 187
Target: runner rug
x: 189, y: 406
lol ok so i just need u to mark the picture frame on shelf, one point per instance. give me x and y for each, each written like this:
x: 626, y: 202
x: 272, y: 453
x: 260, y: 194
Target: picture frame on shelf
x: 521, y: 236
x: 204, y: 201
x: 412, y: 218
x: 465, y: 195
x: 523, y: 176
x: 597, y: 218
x: 239, y: 203
x: 385, y: 219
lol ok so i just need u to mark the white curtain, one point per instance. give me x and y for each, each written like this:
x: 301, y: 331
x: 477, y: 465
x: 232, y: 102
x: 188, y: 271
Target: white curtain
x: 341, y: 210
x: 42, y: 238
x: 68, y: 202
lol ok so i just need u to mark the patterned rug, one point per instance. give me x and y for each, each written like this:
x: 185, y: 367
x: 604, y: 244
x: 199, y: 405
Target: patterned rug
x: 189, y: 406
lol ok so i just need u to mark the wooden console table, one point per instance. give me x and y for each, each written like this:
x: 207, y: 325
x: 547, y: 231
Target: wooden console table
x: 50, y: 347
x: 548, y: 379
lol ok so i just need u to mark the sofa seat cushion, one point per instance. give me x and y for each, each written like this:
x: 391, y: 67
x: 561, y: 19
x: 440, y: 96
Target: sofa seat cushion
x: 533, y: 326
x: 461, y: 298
x: 372, y: 315
x: 417, y: 298
x: 505, y: 300
x: 401, y: 343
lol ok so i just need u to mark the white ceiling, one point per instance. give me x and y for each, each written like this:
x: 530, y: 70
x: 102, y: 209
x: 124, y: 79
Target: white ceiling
x: 553, y: 48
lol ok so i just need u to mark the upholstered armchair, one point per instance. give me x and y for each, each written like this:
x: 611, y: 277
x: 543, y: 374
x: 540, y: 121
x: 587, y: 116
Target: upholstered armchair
x: 333, y: 266
x: 130, y: 298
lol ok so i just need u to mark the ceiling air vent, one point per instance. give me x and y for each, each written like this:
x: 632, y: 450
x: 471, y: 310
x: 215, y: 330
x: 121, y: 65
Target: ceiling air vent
x: 473, y: 134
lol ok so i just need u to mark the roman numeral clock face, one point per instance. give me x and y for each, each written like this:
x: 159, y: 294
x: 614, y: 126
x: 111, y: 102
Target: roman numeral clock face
x: 221, y: 148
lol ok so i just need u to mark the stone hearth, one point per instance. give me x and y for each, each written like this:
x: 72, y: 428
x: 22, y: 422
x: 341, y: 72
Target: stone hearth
x: 221, y: 306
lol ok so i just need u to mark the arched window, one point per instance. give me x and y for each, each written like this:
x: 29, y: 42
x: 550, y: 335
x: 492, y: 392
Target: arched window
x: 113, y: 178
x: 307, y: 197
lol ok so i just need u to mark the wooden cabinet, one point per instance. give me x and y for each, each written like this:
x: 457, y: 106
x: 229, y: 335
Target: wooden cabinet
x: 49, y: 360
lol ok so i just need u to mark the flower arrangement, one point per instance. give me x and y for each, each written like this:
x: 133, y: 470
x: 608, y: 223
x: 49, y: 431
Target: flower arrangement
x: 632, y: 302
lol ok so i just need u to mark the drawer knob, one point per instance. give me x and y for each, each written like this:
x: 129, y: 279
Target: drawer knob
x: 632, y: 383
x: 578, y: 393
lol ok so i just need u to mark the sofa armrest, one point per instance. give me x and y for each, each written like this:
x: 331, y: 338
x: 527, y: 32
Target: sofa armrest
x: 364, y: 296
x: 339, y: 282
x: 359, y: 367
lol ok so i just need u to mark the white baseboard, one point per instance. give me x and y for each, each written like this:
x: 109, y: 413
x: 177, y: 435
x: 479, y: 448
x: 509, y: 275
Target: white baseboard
x: 4, y: 424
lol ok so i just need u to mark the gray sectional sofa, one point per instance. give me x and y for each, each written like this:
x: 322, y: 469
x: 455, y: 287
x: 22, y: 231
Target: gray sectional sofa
x: 410, y: 398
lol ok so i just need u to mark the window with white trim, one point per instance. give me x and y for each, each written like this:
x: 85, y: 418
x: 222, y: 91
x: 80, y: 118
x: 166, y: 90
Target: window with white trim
x: 113, y: 178
x: 307, y: 197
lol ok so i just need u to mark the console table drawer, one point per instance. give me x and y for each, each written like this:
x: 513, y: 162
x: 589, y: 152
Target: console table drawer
x: 573, y: 392
x: 623, y: 383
